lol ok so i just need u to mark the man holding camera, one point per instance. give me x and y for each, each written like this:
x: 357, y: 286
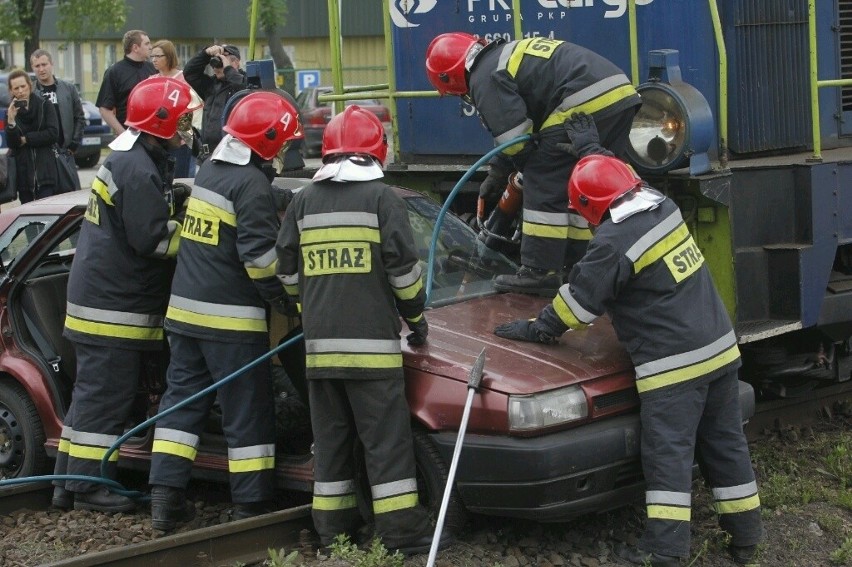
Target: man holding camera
x: 227, y: 79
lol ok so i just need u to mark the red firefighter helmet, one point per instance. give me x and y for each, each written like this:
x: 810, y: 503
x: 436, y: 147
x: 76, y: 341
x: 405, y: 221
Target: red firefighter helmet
x: 445, y: 62
x: 355, y: 131
x: 155, y: 105
x: 596, y: 182
x: 265, y: 122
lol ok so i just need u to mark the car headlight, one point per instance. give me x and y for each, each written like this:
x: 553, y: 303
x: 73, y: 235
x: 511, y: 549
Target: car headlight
x: 547, y: 409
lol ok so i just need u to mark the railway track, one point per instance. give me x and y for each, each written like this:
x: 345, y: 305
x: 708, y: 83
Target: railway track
x: 247, y: 541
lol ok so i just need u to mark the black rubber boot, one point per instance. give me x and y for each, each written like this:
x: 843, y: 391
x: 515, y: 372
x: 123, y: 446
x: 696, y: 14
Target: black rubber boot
x: 423, y: 544
x: 169, y: 507
x: 742, y: 554
x: 530, y: 280
x: 102, y: 500
x: 62, y: 498
x: 245, y: 510
x: 635, y: 556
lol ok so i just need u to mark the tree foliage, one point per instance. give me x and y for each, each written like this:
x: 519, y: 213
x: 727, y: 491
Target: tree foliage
x: 271, y: 17
x: 78, y: 19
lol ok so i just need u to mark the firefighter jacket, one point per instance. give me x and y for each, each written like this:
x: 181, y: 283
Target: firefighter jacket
x: 119, y: 282
x: 649, y: 275
x: 531, y: 85
x: 347, y: 251
x: 226, y: 265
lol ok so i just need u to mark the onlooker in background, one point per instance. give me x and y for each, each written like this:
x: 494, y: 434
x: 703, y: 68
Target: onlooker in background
x: 122, y: 76
x: 164, y: 57
x: 66, y: 101
x: 31, y: 131
x: 226, y: 81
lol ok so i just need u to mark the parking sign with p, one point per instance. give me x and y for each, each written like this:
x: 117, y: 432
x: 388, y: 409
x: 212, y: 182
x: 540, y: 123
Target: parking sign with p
x: 307, y: 79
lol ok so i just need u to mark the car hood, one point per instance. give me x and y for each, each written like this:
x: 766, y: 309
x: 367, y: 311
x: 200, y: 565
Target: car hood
x: 458, y: 332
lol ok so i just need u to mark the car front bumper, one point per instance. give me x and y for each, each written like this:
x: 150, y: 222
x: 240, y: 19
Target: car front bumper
x: 555, y: 477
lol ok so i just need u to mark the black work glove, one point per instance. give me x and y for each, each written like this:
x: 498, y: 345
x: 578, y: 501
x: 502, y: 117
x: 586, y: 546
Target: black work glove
x: 494, y: 184
x: 282, y: 198
x: 583, y: 133
x: 529, y: 330
x: 419, y: 330
x: 181, y: 193
x: 284, y: 305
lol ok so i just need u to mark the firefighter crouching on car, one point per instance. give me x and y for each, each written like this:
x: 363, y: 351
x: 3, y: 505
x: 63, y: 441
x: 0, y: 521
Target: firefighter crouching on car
x: 216, y: 320
x: 346, y: 250
x: 119, y: 288
x: 532, y: 86
x: 645, y: 270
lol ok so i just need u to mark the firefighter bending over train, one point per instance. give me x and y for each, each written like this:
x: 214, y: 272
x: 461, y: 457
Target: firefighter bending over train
x: 532, y: 86
x: 643, y: 268
x: 216, y: 319
x: 119, y: 287
x: 346, y: 250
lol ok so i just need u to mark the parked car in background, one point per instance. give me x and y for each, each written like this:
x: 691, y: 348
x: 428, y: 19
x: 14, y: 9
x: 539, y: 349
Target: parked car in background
x: 96, y: 134
x: 553, y: 431
x: 315, y: 115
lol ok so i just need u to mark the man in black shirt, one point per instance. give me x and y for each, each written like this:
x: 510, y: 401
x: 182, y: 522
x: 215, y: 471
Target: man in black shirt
x: 122, y: 76
x: 66, y: 101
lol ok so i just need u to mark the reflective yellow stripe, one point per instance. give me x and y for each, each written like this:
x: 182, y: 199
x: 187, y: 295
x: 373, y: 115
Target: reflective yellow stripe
x: 340, y: 234
x: 590, y: 107
x: 204, y: 208
x: 335, y: 502
x: 90, y: 453
x: 113, y: 330
x: 688, y: 372
x: 64, y: 445
x: 659, y: 512
x: 260, y: 273
x: 575, y: 233
x: 102, y: 191
x: 545, y: 230
x: 661, y: 248
x: 172, y: 448
x: 251, y: 465
x: 409, y: 292
x: 740, y: 505
x: 395, y: 503
x: 345, y: 360
x: 516, y: 148
x: 174, y: 243
x: 215, y: 321
x: 564, y: 312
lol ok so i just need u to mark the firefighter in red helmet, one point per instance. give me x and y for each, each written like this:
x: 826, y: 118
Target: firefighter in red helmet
x: 533, y: 86
x: 119, y: 287
x: 217, y: 317
x: 644, y: 269
x: 346, y: 250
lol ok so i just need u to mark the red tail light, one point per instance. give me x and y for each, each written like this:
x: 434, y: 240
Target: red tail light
x: 318, y: 117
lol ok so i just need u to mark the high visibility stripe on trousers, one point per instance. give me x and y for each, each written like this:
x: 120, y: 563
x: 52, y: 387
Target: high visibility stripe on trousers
x: 91, y: 446
x: 394, y: 496
x: 334, y: 496
x: 736, y: 499
x: 667, y: 505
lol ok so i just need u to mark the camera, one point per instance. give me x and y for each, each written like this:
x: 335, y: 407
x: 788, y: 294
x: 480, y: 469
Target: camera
x: 20, y: 103
x: 216, y: 63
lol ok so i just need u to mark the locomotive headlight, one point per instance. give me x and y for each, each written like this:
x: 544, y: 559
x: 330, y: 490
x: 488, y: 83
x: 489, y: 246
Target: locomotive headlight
x: 546, y: 409
x: 674, y: 125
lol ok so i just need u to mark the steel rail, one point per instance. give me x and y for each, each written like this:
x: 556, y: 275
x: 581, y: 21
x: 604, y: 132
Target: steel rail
x: 238, y: 542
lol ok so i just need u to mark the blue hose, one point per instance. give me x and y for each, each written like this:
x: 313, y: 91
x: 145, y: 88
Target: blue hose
x: 119, y: 489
